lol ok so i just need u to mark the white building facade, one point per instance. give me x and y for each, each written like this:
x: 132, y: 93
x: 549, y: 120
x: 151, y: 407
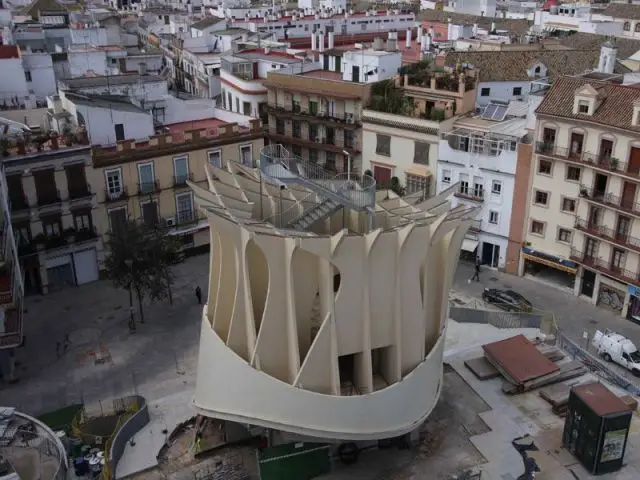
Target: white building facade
x: 481, y: 156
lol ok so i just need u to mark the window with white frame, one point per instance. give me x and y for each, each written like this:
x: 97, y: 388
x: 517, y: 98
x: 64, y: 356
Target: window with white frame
x: 496, y: 187
x: 184, y: 207
x: 146, y: 178
x: 494, y: 217
x: 215, y: 158
x: 181, y: 169
x: 446, y: 176
x: 114, y: 182
x: 246, y: 155
x: 417, y: 183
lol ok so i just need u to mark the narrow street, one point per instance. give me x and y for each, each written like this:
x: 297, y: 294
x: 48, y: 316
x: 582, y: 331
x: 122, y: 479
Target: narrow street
x: 104, y: 360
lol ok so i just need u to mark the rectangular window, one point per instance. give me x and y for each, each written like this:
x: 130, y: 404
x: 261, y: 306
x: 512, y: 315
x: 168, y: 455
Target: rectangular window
x: 181, y: 169
x: 313, y: 107
x: 349, y: 139
x: 215, y: 158
x: 119, y: 129
x: 82, y: 221
x: 246, y: 108
x: 421, y: 152
x: 416, y: 183
x: 296, y: 128
x: 229, y: 102
x: 246, y: 155
x: 146, y: 178
x: 517, y: 91
x: 485, y: 92
x: 279, y: 126
x: 564, y: 235
x: 383, y: 145
x: 583, y: 106
x: 27, y: 75
x: 494, y: 217
x: 330, y: 161
x: 568, y: 205
x: 573, y: 173
x: 617, y: 259
x: 237, y: 105
x: 149, y: 213
x: 478, y: 190
x: 446, y: 176
x: 541, y: 198
x: 184, y: 208
x: 114, y: 183
x: 330, y: 136
x: 464, y: 187
x: 52, y: 227
x: 313, y: 156
x: 544, y: 166
x: 537, y: 228
x: 496, y: 187
x: 117, y: 218
x: 313, y: 133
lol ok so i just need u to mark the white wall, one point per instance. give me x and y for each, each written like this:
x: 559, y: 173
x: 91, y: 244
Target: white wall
x: 239, y: 91
x: 12, y: 81
x: 83, y: 61
x: 43, y: 80
x: 154, y: 63
x: 89, y: 36
x: 387, y: 65
x: 502, y: 91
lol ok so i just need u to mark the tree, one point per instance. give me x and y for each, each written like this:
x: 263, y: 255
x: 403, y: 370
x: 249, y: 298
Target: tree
x: 139, y: 261
x: 396, y: 186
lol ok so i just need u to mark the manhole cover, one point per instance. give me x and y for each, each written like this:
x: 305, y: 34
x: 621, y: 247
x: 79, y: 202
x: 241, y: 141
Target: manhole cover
x: 84, y: 335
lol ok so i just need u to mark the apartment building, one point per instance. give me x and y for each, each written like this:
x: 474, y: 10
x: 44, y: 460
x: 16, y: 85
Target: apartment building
x: 147, y: 179
x: 52, y: 209
x: 315, y: 108
x: 583, y: 214
x: 481, y: 153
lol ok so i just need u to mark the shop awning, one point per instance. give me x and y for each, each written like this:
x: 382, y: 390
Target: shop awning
x: 469, y: 245
x: 549, y: 263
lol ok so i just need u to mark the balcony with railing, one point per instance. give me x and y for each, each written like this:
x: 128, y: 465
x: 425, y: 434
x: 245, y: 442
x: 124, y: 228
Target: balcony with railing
x: 115, y: 195
x: 294, y: 110
x: 622, y: 239
x: 79, y: 192
x: 607, y: 267
x: 181, y: 180
x: 470, y: 194
x: 147, y: 188
x: 49, y: 198
x: 19, y: 203
x: 600, y: 161
x: 610, y: 200
x: 476, y: 226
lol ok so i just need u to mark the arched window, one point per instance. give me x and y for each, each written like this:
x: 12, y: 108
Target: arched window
x: 627, y: 26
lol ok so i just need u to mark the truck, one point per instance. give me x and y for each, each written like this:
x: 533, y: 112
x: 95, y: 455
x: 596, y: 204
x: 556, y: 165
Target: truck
x: 613, y: 347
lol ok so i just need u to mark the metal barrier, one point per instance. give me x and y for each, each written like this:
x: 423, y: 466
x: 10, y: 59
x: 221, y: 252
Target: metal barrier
x: 595, y: 364
x: 545, y: 321
x: 124, y: 432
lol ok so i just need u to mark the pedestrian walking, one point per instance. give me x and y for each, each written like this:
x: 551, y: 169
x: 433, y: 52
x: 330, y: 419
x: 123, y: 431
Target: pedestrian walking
x: 199, y: 294
x: 476, y: 273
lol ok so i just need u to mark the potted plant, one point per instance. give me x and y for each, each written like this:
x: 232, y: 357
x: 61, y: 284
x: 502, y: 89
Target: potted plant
x: 368, y: 173
x: 39, y: 142
x: 67, y: 135
x: 613, y: 163
x: 53, y: 138
x: 5, y: 144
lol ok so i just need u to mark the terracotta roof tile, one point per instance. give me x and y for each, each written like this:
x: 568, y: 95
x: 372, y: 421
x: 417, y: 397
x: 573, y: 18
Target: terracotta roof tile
x: 588, y: 41
x: 512, y: 65
x: 615, y: 108
x: 514, y: 26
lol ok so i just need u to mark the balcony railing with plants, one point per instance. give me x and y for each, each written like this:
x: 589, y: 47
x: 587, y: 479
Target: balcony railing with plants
x: 115, y: 196
x: 476, y: 226
x: 425, y: 74
x: 622, y: 239
x: 297, y: 110
x: 602, y: 161
x: 608, y: 268
x: 610, y: 200
x: 468, y: 195
x: 28, y: 143
x: 181, y: 180
x: 145, y: 188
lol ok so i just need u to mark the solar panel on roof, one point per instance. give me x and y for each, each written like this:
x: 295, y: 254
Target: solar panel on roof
x: 499, y: 114
x: 489, y: 111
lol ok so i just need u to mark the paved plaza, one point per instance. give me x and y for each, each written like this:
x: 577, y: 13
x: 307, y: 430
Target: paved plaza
x: 104, y: 360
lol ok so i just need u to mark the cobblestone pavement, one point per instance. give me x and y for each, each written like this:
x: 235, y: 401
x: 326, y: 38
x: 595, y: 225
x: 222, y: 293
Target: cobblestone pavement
x: 104, y: 360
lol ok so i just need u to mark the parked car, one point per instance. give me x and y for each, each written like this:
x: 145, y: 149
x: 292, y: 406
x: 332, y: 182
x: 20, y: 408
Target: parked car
x: 507, y: 300
x: 613, y: 347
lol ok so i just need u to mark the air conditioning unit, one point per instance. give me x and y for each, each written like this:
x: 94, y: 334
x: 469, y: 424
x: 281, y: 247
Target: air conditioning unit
x: 171, y: 222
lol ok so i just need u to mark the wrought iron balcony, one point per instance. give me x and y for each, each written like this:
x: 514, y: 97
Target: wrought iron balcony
x: 79, y: 192
x: 115, y: 196
x: 476, y: 226
x: 610, y: 200
x: 86, y: 234
x: 146, y: 188
x: 606, y: 233
x: 321, y: 115
x: 601, y: 161
x: 48, y: 198
x: 181, y: 180
x: 608, y: 268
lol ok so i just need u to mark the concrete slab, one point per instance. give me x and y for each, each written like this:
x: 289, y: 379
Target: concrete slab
x: 481, y: 368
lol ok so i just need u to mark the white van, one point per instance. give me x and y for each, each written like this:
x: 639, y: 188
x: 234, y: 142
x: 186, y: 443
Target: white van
x: 613, y: 347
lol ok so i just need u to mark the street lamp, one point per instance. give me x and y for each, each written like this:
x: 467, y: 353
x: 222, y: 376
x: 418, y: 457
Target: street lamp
x: 348, y: 164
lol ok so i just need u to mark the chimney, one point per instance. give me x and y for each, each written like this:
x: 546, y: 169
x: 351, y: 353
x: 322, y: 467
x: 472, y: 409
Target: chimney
x: 431, y: 31
x: 393, y: 35
x: 314, y: 41
x: 475, y: 30
x: 426, y: 40
x: 391, y: 45
x: 378, y: 44
x: 493, y: 27
x: 608, y: 55
x: 331, y: 39
x: 321, y: 42
x: 420, y: 32
x: 408, y: 39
